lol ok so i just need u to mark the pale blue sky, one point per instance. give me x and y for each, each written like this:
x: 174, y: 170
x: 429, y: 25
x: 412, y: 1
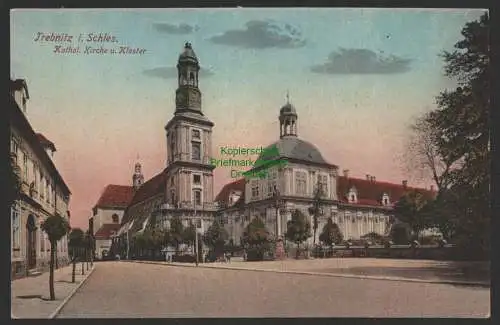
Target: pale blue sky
x: 101, y: 110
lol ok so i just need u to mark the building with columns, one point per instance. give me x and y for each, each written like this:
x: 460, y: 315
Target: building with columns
x: 357, y: 206
x: 184, y: 188
x: 43, y: 190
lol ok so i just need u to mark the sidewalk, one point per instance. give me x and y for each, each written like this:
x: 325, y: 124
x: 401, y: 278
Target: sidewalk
x: 424, y: 271
x: 30, y: 296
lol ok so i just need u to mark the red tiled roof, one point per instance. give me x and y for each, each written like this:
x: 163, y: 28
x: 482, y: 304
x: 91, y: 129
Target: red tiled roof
x: 107, y: 230
x: 371, y: 192
x: 223, y: 196
x: 150, y: 188
x: 45, y: 142
x: 116, y: 196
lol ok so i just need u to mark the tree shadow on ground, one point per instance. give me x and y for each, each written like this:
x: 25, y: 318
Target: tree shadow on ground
x: 445, y: 271
x: 68, y: 281
x: 41, y: 297
x: 29, y: 297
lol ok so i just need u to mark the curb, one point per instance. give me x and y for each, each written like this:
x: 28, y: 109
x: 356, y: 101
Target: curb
x: 352, y: 276
x: 72, y: 293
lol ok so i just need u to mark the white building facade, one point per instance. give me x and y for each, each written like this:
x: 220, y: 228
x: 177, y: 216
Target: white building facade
x: 43, y: 191
x: 358, y: 206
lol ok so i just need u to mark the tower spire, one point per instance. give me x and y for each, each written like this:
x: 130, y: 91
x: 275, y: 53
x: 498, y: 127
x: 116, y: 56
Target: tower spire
x: 137, y: 177
x: 287, y: 97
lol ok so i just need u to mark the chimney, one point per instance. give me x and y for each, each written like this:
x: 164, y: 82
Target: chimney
x: 405, y: 183
x: 368, y: 177
x: 346, y: 173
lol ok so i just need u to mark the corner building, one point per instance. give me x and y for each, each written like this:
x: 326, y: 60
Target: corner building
x: 43, y: 191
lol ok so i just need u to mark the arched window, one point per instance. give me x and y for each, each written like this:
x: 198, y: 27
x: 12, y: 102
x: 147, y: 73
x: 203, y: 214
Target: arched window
x: 172, y: 197
x: 115, y: 218
x: 197, y: 197
x: 191, y: 79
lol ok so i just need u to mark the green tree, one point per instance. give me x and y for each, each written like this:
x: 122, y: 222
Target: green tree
x: 88, y: 243
x: 255, y: 233
x: 142, y: 243
x: 410, y: 209
x: 13, y: 181
x: 56, y: 227
x: 331, y: 233
x: 157, y: 240
x: 215, y: 237
x: 316, y: 209
x: 373, y: 237
x: 256, y: 238
x: 189, y: 235
x: 75, y: 243
x: 176, y: 233
x: 298, y: 229
x: 400, y: 233
x: 462, y: 123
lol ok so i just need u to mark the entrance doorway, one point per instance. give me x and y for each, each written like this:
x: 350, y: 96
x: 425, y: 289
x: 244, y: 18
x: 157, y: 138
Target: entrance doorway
x: 31, y: 242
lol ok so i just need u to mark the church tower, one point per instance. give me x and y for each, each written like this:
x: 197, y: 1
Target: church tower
x: 189, y: 174
x: 288, y: 119
x: 138, y: 177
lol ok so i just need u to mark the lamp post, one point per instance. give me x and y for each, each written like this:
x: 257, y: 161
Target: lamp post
x: 196, y: 236
x: 277, y: 198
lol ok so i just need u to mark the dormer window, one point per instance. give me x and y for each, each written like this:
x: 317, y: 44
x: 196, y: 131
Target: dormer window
x: 385, y: 199
x: 352, y: 195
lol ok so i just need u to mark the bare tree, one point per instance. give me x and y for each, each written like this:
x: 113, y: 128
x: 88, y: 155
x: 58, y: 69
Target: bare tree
x: 422, y: 157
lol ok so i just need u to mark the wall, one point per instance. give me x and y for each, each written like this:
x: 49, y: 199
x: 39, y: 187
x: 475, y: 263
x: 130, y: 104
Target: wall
x: 31, y: 173
x: 104, y: 216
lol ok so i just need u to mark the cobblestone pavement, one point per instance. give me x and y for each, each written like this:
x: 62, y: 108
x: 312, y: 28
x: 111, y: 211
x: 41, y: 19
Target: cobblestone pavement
x: 30, y: 296
x: 132, y: 290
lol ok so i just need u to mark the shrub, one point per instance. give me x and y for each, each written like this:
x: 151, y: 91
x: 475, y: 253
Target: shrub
x: 400, y: 234
x: 184, y: 258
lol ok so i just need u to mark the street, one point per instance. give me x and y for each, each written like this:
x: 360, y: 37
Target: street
x: 133, y: 290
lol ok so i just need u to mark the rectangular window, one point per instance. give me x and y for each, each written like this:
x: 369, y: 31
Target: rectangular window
x: 14, y: 147
x: 197, y: 179
x: 197, y: 197
x: 16, y: 226
x: 300, y: 183
x: 25, y: 167
x: 271, y: 182
x: 195, y: 151
x: 42, y: 244
x: 198, y: 223
x: 42, y: 188
x: 195, y: 134
x: 255, y: 189
x: 323, y: 184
